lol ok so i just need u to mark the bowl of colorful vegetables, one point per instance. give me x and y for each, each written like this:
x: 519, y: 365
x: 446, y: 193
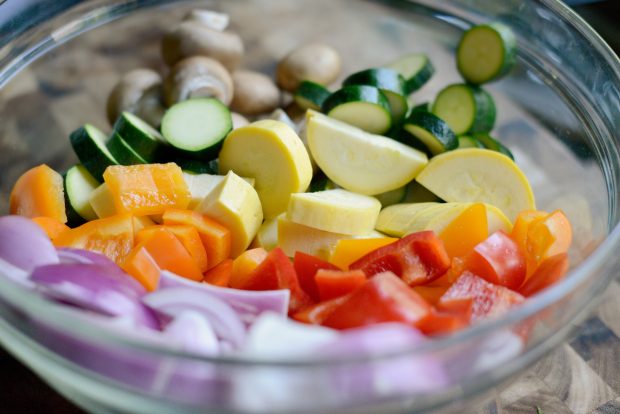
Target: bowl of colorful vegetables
x: 310, y: 206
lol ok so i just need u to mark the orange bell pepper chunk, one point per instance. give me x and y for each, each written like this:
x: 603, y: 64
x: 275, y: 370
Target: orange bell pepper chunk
x: 147, y: 189
x: 142, y: 267
x: 39, y: 192
x: 111, y: 236
x: 547, y: 237
x: 522, y: 224
x: 336, y: 283
x: 186, y: 235
x: 167, y: 252
x: 216, y: 238
x: 220, y: 274
x: 52, y: 227
x: 244, y: 265
x: 348, y: 251
x: 550, y: 271
x: 467, y: 230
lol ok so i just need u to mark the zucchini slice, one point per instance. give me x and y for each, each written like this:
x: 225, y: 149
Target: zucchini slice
x: 491, y: 143
x: 465, y: 141
x: 196, y: 167
x: 311, y: 95
x: 365, y: 107
x: 416, y: 68
x: 431, y: 131
x: 392, y: 197
x: 123, y: 152
x: 89, y: 144
x: 140, y: 136
x: 486, y: 52
x: 197, y: 127
x: 388, y: 81
x: 79, y: 186
x: 466, y: 108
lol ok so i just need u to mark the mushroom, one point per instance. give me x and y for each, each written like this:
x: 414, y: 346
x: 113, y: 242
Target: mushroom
x: 137, y: 91
x: 255, y: 93
x: 315, y: 62
x: 191, y: 38
x: 214, y: 20
x: 238, y: 120
x: 198, y: 76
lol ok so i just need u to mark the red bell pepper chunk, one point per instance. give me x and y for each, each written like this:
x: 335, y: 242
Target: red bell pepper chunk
x: 317, y: 313
x: 277, y: 272
x: 473, y: 296
x: 306, y: 267
x: 441, y: 323
x: 383, y: 298
x: 498, y: 260
x: 335, y: 283
x: 417, y: 259
x: 550, y: 271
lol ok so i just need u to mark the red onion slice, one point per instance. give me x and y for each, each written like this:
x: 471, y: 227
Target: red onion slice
x: 172, y: 302
x: 24, y: 244
x: 69, y: 255
x: 94, y: 288
x: 192, y: 332
x: 248, y: 304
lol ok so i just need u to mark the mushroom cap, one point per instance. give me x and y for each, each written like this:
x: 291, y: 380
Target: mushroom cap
x: 129, y: 90
x: 315, y: 62
x: 198, y: 76
x: 191, y: 38
x: 255, y: 93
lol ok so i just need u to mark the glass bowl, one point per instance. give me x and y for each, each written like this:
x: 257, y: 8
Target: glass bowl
x: 558, y: 111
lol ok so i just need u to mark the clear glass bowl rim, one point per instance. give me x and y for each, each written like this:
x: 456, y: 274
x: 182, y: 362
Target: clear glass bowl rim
x: 65, y: 320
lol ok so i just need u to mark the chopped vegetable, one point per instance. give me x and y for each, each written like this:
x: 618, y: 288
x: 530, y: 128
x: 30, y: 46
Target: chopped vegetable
x: 216, y: 239
x: 317, y: 313
x: 244, y: 265
x: 267, y: 236
x: 122, y: 151
x: 89, y: 144
x: 335, y: 283
x: 548, y: 272
x: 311, y: 95
x: 147, y: 189
x: 235, y: 204
x: 486, y: 52
x: 142, y: 138
x: 79, y: 187
x: 547, y: 237
x: 499, y: 260
x: 361, y: 106
x: 383, y: 298
x: 102, y: 202
x: 493, y: 144
x: 416, y: 68
x: 467, y: 109
x: 197, y: 127
x: 479, y: 175
x: 277, y: 272
x: 306, y: 267
x: 39, y: 192
x: 348, y: 251
x: 112, y: 237
x: 336, y: 211
x: 24, y: 245
x: 358, y: 161
x: 432, y: 132
x: 52, y: 227
x: 418, y: 258
x: 272, y: 153
x: 476, y: 298
x: 293, y: 237
x: 220, y: 275
x: 186, y: 235
x: 466, y: 231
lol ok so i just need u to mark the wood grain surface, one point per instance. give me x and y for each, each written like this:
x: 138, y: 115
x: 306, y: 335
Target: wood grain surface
x: 43, y: 104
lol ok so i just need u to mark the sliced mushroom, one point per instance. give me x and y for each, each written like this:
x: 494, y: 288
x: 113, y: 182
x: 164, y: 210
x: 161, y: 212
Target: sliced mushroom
x: 198, y: 76
x: 191, y: 38
x: 214, y: 20
x: 137, y: 88
x: 255, y: 93
x: 315, y: 62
